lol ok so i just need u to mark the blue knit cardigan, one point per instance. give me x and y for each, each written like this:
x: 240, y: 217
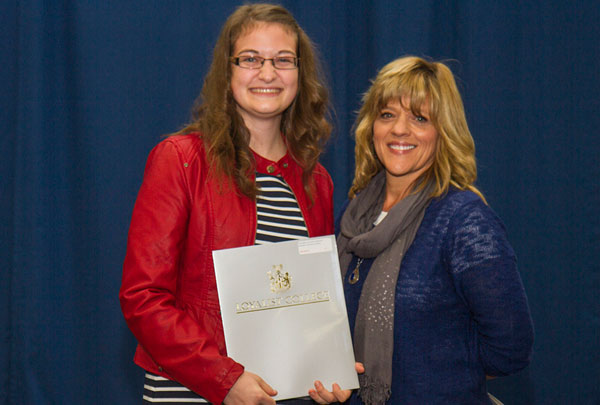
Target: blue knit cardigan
x: 461, y: 312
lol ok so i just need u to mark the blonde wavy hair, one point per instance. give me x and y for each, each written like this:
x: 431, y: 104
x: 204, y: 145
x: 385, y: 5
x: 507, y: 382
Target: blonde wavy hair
x: 422, y: 83
x: 304, y: 124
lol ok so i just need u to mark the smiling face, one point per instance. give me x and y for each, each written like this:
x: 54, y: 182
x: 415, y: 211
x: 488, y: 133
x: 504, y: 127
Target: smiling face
x: 404, y: 143
x: 265, y: 93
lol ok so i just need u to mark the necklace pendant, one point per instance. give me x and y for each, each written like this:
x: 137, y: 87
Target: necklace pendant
x: 354, y: 276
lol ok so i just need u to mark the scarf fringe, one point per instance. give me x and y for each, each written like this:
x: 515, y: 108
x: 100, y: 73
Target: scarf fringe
x: 373, y: 391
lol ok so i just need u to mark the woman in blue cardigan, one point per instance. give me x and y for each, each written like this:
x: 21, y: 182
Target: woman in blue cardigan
x: 434, y: 297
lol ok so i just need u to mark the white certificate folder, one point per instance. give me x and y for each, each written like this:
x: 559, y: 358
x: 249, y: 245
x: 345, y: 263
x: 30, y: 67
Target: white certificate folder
x: 284, y: 314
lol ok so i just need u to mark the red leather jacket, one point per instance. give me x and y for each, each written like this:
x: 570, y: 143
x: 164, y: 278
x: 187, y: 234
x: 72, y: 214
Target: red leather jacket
x: 168, y: 293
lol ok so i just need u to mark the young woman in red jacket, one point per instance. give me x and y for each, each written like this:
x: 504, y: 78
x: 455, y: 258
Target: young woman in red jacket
x: 258, y: 130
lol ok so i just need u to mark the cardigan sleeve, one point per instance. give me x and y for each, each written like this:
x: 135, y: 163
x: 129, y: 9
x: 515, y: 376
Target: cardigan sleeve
x: 182, y: 346
x: 484, y: 269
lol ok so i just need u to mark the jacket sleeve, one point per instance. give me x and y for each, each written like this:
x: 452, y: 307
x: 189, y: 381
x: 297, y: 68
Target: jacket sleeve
x: 485, y: 273
x: 330, y: 227
x: 324, y: 193
x: 182, y: 346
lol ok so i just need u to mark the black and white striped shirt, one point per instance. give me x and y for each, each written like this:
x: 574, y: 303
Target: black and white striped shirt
x: 278, y: 215
x: 161, y: 390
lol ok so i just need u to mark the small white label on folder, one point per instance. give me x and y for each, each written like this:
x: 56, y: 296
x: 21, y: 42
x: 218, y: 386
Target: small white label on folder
x: 310, y: 246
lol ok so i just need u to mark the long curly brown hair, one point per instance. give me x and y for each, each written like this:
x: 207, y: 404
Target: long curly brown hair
x: 421, y: 82
x: 304, y: 124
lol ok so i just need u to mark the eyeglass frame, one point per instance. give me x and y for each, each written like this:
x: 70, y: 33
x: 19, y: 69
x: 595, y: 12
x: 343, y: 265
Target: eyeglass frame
x: 236, y: 61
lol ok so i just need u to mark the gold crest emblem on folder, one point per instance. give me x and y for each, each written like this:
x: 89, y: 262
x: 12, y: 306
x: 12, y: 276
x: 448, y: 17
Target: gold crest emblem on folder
x: 279, y: 281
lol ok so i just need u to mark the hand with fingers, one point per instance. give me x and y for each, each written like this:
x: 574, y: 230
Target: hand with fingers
x: 322, y: 396
x: 250, y: 389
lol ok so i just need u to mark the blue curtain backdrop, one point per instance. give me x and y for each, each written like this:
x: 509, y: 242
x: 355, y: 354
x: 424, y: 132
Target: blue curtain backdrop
x: 89, y: 87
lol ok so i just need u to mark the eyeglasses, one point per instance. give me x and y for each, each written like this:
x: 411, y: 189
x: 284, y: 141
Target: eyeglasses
x: 256, y: 62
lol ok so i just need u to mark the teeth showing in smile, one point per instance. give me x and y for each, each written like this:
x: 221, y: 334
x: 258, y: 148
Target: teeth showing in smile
x: 402, y: 147
x: 265, y: 91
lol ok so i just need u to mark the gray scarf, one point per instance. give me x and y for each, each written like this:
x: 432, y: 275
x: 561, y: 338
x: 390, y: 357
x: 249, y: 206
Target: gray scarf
x: 387, y: 243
